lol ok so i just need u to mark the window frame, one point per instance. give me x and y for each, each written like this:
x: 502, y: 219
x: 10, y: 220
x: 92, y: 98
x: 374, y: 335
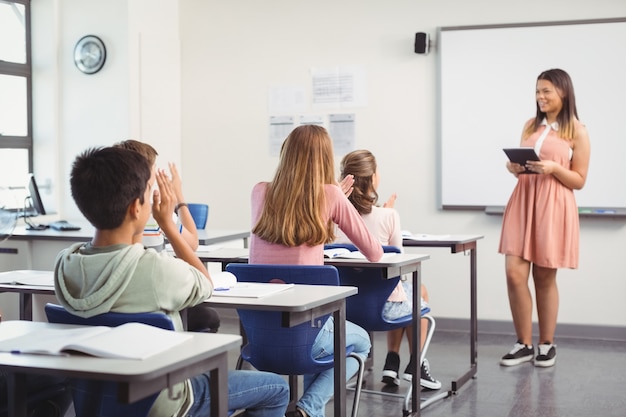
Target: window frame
x: 22, y: 70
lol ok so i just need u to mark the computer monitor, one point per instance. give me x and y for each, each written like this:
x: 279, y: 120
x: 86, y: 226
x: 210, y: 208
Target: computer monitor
x: 35, y: 197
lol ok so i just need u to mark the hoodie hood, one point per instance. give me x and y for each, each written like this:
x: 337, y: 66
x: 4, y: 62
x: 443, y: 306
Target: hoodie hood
x: 90, y: 288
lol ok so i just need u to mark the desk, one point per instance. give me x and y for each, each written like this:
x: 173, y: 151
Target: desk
x: 136, y: 378
x: 205, y: 236
x: 460, y: 243
x: 25, y: 293
x: 298, y: 305
x: 37, y: 249
x: 391, y: 266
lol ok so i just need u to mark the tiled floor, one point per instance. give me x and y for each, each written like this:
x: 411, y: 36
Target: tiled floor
x: 589, y: 379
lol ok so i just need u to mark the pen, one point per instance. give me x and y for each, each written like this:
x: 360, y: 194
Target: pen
x: 599, y: 211
x: 221, y: 289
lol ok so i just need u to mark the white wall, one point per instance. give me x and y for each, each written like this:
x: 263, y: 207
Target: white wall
x: 231, y: 52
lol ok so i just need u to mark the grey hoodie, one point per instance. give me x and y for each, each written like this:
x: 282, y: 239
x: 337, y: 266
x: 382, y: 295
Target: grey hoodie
x: 129, y: 279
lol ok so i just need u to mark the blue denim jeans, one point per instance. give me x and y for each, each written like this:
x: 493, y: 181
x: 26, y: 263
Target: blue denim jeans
x: 319, y: 388
x: 261, y: 394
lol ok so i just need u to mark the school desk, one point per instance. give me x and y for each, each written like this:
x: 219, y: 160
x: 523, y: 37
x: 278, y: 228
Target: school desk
x: 136, y: 378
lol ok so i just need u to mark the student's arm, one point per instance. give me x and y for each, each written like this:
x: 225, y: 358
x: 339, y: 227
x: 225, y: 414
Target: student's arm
x: 350, y: 222
x: 162, y: 208
x: 189, y: 231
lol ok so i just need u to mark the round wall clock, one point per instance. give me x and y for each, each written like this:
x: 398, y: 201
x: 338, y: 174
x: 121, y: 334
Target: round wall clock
x: 89, y: 54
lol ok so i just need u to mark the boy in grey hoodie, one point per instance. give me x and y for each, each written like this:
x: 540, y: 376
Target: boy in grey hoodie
x: 112, y: 188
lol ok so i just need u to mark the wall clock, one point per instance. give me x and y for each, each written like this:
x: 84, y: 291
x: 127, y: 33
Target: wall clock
x: 90, y: 54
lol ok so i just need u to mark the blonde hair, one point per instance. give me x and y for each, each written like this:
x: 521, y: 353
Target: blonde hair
x: 294, y: 211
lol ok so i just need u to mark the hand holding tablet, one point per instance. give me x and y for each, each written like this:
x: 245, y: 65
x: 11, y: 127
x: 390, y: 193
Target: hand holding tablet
x: 520, y: 156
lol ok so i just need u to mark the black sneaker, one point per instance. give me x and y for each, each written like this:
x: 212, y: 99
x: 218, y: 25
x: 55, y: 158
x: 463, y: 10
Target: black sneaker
x: 426, y: 380
x: 519, y: 354
x: 390, y: 371
x: 546, y: 355
x: 408, y: 371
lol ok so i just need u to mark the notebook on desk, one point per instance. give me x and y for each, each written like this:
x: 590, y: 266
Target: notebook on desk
x: 28, y: 277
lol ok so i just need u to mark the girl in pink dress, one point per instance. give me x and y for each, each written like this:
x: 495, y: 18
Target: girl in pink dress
x: 540, y: 227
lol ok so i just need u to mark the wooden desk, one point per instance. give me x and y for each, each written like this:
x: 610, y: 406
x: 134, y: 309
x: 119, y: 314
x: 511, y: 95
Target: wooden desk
x: 390, y: 266
x: 136, y: 378
x: 460, y: 244
x: 301, y: 304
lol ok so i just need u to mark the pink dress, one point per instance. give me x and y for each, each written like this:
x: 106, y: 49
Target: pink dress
x: 540, y: 222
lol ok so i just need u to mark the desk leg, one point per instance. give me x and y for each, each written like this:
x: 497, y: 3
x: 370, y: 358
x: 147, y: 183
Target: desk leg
x: 219, y: 390
x: 340, y: 360
x: 16, y: 394
x: 458, y: 383
x: 417, y: 348
x: 26, y: 306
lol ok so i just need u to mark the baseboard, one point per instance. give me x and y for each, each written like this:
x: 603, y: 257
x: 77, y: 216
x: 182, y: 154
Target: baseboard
x: 578, y: 331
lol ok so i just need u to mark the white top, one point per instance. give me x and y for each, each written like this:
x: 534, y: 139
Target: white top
x: 384, y: 224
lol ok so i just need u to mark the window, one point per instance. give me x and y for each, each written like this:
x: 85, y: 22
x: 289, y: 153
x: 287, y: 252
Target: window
x: 16, y: 142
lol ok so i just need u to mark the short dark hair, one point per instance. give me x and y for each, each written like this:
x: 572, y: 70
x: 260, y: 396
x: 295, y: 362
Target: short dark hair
x: 105, y: 181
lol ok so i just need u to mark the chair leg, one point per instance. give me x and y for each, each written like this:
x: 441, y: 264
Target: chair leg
x: 239, y: 364
x: 429, y: 336
x: 359, y: 384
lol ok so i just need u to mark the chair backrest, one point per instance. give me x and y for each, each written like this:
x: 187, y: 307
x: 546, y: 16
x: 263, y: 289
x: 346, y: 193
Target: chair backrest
x: 57, y: 314
x: 97, y: 398
x: 272, y: 347
x: 366, y: 307
x: 200, y: 214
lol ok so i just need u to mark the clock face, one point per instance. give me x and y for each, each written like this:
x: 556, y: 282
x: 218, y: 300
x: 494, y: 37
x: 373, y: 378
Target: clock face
x: 89, y: 54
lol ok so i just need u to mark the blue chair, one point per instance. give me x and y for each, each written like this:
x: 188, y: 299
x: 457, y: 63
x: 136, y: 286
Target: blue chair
x: 199, y: 213
x: 287, y: 350
x: 99, y: 398
x: 366, y: 308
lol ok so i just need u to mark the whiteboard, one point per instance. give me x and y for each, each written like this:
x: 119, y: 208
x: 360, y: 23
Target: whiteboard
x: 486, y: 87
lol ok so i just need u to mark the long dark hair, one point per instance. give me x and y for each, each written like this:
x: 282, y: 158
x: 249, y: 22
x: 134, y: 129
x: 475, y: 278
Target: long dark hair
x: 568, y: 114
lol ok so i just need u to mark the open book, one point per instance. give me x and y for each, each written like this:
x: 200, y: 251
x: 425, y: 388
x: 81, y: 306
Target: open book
x: 223, y: 280
x: 422, y: 236
x: 343, y: 253
x: 251, y: 289
x: 128, y: 341
x: 28, y: 277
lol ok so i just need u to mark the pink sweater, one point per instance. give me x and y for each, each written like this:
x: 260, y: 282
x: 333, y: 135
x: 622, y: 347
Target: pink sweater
x: 340, y: 211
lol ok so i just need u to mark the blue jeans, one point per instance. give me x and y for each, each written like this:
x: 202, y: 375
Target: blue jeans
x: 261, y: 394
x: 319, y: 388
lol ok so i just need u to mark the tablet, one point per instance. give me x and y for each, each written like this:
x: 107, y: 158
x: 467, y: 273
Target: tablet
x: 521, y: 155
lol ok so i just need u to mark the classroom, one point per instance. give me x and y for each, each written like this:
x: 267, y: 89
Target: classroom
x: 197, y: 78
